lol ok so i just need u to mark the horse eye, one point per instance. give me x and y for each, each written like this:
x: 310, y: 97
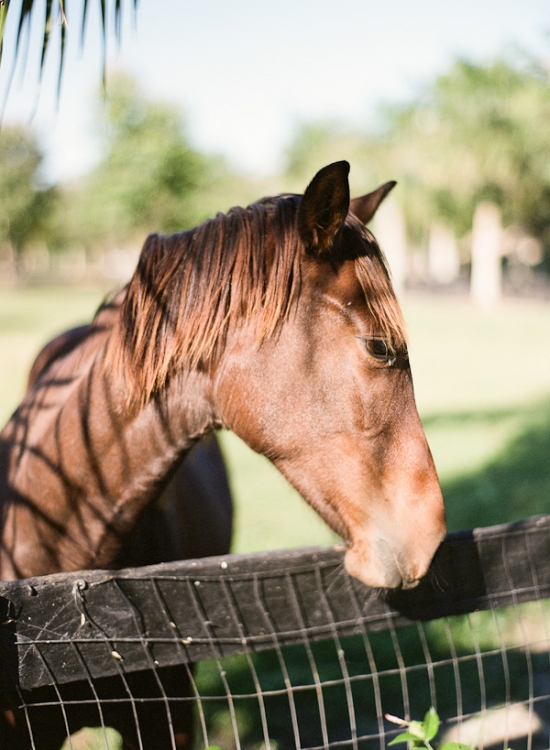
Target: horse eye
x: 379, y: 349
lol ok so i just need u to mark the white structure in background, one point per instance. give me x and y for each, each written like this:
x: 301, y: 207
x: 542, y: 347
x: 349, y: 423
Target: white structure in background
x: 391, y: 233
x: 443, y: 258
x: 486, y: 277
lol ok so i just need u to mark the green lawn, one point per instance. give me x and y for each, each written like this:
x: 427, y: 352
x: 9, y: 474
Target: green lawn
x: 482, y: 382
x: 483, y: 392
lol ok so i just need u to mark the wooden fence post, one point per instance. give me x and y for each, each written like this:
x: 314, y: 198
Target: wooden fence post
x: 486, y: 276
x: 391, y: 233
x: 443, y: 260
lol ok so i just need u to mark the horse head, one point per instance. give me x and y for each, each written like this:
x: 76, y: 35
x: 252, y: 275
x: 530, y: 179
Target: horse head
x: 328, y: 397
x: 279, y: 321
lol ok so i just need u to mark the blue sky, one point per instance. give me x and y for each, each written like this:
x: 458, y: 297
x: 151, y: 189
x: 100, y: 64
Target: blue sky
x: 247, y: 72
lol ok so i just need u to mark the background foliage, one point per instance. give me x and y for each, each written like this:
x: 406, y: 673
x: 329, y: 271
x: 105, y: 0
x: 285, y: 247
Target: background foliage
x: 476, y: 132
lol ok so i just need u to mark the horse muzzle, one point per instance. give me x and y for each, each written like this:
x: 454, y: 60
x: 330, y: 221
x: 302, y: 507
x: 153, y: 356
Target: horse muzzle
x: 384, y: 564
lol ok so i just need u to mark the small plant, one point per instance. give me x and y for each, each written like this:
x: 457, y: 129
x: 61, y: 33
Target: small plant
x: 420, y: 733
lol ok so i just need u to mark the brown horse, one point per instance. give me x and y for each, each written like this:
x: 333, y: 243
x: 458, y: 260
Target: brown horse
x: 277, y: 321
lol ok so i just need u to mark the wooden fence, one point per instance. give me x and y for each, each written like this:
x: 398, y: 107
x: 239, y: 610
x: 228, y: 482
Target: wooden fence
x: 291, y: 651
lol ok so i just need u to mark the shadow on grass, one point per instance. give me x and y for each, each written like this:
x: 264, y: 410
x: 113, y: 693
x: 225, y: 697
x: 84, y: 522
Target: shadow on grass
x: 513, y: 485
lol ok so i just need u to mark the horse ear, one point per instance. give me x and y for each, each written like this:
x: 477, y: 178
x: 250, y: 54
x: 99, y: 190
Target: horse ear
x: 324, y: 207
x: 367, y: 205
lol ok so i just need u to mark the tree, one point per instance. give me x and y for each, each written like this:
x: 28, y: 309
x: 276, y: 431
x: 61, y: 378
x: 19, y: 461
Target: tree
x: 478, y: 133
x: 318, y: 144
x: 26, y: 208
x: 151, y: 178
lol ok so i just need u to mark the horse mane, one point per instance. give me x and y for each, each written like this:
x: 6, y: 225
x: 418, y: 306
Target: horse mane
x: 190, y: 288
x: 374, y: 276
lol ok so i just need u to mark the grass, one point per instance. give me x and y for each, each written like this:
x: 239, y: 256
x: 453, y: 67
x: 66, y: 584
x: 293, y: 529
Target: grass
x: 28, y: 319
x: 483, y: 392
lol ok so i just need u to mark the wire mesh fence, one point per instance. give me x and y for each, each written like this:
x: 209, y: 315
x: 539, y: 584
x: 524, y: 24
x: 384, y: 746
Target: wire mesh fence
x: 282, y: 650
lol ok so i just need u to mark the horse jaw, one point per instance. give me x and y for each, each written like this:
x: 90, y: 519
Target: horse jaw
x: 392, y: 527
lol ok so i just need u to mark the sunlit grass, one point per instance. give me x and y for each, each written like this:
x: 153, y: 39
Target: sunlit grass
x: 28, y: 319
x: 468, y: 360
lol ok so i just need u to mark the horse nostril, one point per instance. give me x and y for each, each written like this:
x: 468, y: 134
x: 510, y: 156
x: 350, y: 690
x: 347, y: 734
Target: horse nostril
x: 405, y: 584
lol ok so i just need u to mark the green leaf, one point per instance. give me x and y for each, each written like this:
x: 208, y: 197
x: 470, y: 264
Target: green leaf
x: 455, y: 746
x: 417, y: 730
x: 431, y: 724
x: 405, y: 737
x: 213, y: 747
x: 61, y: 50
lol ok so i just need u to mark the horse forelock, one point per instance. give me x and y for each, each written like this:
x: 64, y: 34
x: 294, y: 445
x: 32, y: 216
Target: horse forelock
x: 374, y: 276
x: 190, y: 288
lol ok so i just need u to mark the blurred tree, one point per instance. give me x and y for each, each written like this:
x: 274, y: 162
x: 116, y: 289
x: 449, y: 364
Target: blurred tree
x: 320, y: 143
x: 478, y: 133
x: 26, y: 208
x: 151, y: 178
x: 317, y: 144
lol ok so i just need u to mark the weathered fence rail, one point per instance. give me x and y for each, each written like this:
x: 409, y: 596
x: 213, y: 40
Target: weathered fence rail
x: 75, y: 628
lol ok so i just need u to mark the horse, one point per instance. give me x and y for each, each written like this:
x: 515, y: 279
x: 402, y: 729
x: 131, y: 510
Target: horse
x: 277, y: 321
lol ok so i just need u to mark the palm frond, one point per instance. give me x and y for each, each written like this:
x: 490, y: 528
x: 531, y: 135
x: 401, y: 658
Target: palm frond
x: 28, y: 9
x: 3, y: 14
x: 48, y: 21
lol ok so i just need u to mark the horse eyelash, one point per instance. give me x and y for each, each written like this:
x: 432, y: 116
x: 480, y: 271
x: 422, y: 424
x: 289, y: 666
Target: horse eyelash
x: 390, y: 354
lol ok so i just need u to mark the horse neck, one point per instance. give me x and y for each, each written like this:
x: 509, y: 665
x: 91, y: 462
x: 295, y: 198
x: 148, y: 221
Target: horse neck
x: 77, y: 468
